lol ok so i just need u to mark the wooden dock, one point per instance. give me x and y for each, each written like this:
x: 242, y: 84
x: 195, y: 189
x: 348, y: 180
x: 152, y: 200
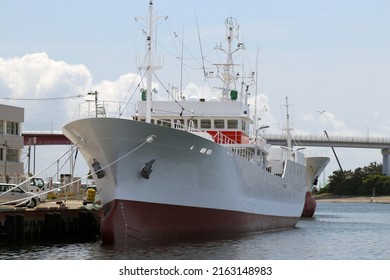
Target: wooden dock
x: 49, y: 223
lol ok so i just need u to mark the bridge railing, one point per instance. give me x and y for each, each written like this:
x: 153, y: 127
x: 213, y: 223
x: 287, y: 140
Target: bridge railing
x: 343, y: 139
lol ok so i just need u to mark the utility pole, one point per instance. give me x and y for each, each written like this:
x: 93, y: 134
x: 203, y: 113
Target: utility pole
x: 34, y: 139
x: 29, y: 157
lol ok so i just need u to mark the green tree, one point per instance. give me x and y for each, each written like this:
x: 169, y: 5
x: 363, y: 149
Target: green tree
x: 373, y: 168
x: 359, y: 182
x: 377, y: 184
x: 335, y: 181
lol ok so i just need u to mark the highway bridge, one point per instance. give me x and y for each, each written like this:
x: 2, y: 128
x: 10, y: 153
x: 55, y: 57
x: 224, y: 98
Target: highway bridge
x: 331, y: 141
x: 382, y: 143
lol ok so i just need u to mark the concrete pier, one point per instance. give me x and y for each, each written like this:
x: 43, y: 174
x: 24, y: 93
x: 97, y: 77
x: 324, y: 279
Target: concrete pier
x: 48, y: 224
x: 386, y: 161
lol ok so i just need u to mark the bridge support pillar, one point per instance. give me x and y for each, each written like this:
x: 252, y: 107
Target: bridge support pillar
x: 386, y: 161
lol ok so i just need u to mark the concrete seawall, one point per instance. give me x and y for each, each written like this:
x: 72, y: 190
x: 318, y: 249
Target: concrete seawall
x: 49, y: 223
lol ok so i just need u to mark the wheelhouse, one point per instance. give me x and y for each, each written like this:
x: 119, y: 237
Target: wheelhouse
x: 228, y: 122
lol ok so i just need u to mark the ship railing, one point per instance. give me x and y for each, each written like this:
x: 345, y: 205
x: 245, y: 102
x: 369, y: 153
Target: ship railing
x: 175, y: 124
x: 243, y: 152
x: 235, y: 147
x: 221, y: 138
x: 104, y: 109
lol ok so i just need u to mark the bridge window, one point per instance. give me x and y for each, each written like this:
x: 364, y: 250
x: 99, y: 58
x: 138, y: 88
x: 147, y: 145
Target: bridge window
x: 1, y: 154
x: 205, y: 123
x: 232, y: 124
x: 219, y: 123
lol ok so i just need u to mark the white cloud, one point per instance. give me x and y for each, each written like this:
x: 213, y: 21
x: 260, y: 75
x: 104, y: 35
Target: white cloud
x: 263, y: 113
x: 125, y: 85
x: 194, y: 90
x: 335, y: 125
x: 36, y: 76
x: 324, y: 120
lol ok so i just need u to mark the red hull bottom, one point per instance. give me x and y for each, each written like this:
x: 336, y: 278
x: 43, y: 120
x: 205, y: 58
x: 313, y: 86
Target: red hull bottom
x: 310, y: 206
x: 128, y: 221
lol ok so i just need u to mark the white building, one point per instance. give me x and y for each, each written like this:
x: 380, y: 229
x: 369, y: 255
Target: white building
x: 11, y: 142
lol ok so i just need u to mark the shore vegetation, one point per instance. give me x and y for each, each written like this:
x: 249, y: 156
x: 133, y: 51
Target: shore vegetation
x: 363, y: 181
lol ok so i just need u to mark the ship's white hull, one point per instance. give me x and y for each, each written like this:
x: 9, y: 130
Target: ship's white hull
x: 314, y: 168
x: 196, y: 188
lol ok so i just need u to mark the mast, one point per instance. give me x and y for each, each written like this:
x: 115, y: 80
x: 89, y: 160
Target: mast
x: 150, y: 67
x: 288, y: 129
x: 231, y: 26
x: 228, y: 76
x: 149, y: 64
x: 232, y: 32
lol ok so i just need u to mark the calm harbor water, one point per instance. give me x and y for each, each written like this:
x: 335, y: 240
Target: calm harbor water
x: 339, y: 231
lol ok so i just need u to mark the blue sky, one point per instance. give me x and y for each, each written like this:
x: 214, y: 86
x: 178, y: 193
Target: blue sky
x: 324, y: 55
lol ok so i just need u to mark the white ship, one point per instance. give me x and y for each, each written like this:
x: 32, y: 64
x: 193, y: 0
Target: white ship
x: 190, y: 168
x: 315, y: 165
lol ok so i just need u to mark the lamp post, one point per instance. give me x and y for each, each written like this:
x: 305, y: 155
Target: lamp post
x: 29, y: 157
x: 260, y: 128
x: 34, y: 139
x: 257, y: 131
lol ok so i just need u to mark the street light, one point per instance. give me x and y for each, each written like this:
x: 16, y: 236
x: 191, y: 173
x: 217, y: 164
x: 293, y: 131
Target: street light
x: 260, y: 128
x: 257, y: 131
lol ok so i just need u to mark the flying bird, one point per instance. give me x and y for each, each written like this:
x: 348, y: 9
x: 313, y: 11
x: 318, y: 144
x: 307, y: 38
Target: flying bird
x: 321, y: 112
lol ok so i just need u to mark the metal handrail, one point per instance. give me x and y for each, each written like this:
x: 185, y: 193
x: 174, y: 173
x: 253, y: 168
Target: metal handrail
x: 346, y: 139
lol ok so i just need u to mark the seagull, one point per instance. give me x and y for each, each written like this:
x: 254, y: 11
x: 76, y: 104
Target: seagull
x: 321, y: 112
